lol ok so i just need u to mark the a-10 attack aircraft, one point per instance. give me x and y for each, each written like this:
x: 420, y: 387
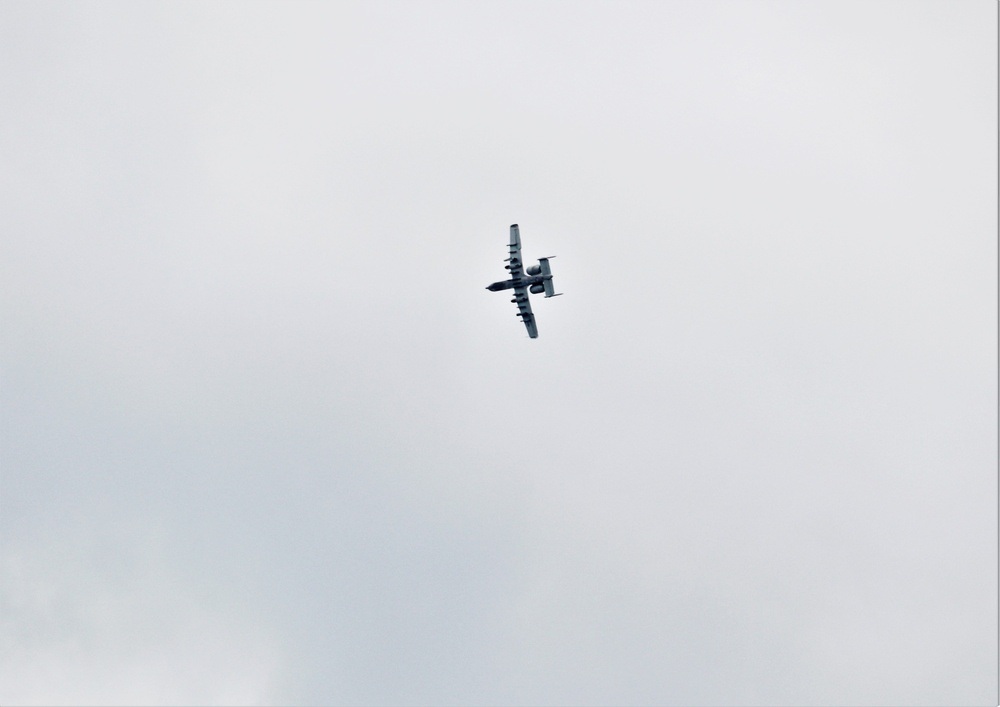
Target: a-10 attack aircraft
x: 536, y: 279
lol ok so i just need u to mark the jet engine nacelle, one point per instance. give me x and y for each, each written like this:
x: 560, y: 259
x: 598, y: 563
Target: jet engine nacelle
x: 535, y: 270
x: 537, y: 289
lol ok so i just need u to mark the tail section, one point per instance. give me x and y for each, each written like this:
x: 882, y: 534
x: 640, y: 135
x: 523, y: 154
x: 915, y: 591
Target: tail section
x: 550, y: 289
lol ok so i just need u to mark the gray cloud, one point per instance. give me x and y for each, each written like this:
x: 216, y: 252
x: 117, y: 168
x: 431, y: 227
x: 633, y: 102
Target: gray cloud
x: 267, y: 439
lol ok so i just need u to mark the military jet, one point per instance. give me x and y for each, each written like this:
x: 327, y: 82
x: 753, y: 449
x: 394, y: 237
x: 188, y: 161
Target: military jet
x: 536, y: 279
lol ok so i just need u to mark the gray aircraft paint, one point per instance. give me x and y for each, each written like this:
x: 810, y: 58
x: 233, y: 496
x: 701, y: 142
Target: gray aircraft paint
x: 524, y: 281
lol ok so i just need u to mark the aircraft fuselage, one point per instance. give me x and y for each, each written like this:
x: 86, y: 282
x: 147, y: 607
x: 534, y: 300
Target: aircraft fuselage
x: 526, y: 281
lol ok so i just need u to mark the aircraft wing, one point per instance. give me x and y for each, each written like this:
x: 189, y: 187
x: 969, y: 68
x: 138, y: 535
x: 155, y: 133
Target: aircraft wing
x: 524, y: 310
x: 515, y: 254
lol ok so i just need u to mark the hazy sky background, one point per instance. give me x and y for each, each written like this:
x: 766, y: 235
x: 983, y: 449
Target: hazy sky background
x: 266, y: 438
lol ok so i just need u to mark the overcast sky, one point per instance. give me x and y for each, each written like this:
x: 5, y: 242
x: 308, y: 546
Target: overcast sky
x: 266, y: 438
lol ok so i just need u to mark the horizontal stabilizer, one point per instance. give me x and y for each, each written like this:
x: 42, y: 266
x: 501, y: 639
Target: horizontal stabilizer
x: 550, y: 289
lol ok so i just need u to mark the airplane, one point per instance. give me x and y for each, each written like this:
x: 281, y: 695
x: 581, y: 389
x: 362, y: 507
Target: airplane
x: 536, y: 279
